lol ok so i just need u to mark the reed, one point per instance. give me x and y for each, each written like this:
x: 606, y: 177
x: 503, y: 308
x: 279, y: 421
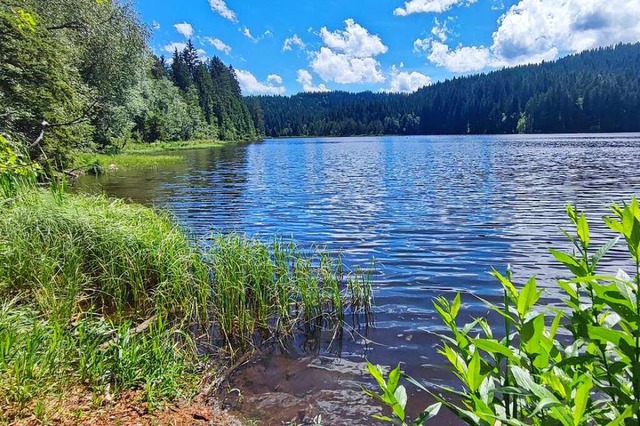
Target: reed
x: 100, y: 293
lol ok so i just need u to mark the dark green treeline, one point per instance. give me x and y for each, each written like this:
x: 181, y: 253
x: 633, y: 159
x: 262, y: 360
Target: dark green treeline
x: 595, y: 91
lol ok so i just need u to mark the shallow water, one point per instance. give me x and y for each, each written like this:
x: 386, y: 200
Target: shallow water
x: 436, y: 213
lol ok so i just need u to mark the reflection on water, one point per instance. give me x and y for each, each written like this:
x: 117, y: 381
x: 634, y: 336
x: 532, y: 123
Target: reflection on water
x: 435, y: 212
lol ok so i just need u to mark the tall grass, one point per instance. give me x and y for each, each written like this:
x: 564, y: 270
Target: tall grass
x: 99, y: 293
x: 273, y: 288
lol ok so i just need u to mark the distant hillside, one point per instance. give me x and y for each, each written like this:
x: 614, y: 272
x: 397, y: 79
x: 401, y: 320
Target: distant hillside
x: 594, y: 91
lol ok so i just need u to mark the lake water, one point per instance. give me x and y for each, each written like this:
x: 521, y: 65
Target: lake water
x: 436, y: 214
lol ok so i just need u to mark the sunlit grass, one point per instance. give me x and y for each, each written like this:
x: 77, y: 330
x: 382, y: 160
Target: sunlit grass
x: 135, y: 148
x: 100, y: 293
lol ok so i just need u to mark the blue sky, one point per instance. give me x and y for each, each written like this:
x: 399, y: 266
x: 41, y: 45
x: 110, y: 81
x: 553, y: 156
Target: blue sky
x: 289, y: 46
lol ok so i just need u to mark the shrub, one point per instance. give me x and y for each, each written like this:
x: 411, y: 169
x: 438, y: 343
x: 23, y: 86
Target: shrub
x: 524, y: 370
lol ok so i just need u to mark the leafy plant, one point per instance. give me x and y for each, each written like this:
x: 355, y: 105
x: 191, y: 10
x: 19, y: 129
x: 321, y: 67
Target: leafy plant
x: 570, y: 367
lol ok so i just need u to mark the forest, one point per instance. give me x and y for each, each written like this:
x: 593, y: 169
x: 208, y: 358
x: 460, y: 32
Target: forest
x: 594, y: 91
x: 80, y: 76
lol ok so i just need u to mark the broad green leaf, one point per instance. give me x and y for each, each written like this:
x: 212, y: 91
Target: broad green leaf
x: 394, y: 378
x: 508, y: 285
x: 376, y: 373
x: 494, y: 347
x: 429, y: 413
x: 581, y: 400
x: 474, y: 376
x: 528, y: 297
x: 570, y: 262
x: 607, y: 335
x: 523, y: 379
x: 455, y: 306
x: 583, y: 230
x: 401, y: 397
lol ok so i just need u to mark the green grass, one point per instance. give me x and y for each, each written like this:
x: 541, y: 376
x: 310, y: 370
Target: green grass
x: 138, y: 148
x: 80, y: 274
x: 98, y: 164
x: 138, y: 156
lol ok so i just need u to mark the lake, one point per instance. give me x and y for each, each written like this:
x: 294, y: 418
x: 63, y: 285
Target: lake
x: 435, y: 212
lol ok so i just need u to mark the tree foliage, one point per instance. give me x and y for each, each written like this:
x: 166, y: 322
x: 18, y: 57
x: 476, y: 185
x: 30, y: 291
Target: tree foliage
x: 78, y: 74
x: 595, y: 91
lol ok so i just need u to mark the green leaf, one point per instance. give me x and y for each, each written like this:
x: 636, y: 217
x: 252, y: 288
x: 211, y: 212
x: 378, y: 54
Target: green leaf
x: 508, y: 285
x: 494, y: 347
x: 528, y: 297
x: 581, y: 400
x: 394, y: 378
x: 607, y: 335
x: 401, y: 397
x: 376, y: 373
x: 387, y: 419
x: 474, y: 377
x: 583, y: 230
x: 570, y: 262
x: 455, y: 306
x: 429, y: 413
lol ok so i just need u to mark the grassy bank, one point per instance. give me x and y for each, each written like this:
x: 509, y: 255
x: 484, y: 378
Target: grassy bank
x: 138, y: 156
x: 104, y: 296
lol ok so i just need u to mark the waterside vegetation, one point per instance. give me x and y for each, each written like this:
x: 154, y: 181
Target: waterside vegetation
x: 539, y: 365
x: 110, y: 297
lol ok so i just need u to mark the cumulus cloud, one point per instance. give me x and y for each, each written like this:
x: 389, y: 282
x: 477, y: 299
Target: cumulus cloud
x: 354, y: 41
x: 184, y: 29
x: 290, y: 42
x: 345, y: 69
x: 250, y: 84
x: 535, y: 30
x: 221, y: 8
x: 462, y: 59
x: 306, y: 80
x: 429, y: 6
x: 349, y: 55
x: 219, y: 45
x: 274, y: 79
x: 406, y: 82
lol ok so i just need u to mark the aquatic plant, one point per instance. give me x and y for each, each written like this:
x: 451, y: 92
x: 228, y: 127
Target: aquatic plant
x: 268, y: 290
x: 572, y: 366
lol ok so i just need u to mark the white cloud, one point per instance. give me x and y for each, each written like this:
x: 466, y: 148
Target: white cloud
x: 155, y: 25
x: 184, y: 29
x: 535, y: 30
x: 219, y: 45
x: 422, y: 44
x: 542, y: 29
x: 429, y: 6
x: 295, y: 40
x: 274, y: 78
x: 171, y: 47
x: 306, y: 80
x: 250, y: 84
x: 441, y: 30
x: 355, y: 41
x: 247, y: 33
x: 462, y: 59
x: 345, y: 69
x: 406, y: 82
x: 221, y: 7
x: 349, y: 56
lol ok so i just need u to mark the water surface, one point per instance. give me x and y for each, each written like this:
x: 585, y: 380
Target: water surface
x: 436, y: 213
